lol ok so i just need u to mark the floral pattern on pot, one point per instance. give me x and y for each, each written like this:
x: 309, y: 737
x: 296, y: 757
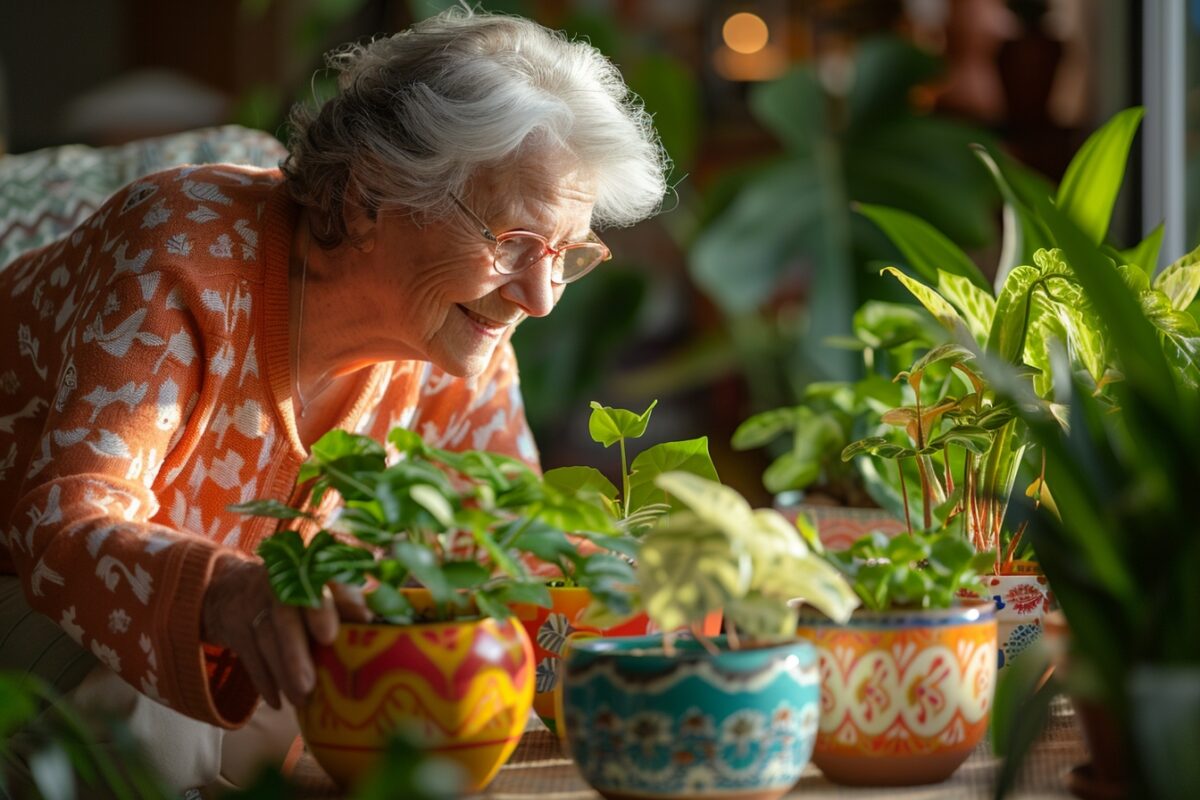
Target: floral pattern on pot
x: 1022, y: 601
x: 905, y: 695
x: 640, y: 723
x: 463, y: 688
x: 552, y: 629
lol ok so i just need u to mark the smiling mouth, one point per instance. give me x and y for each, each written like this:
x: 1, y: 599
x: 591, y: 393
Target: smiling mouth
x: 484, y: 322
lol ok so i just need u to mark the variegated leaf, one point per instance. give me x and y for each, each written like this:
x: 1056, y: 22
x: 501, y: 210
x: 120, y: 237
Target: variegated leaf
x: 977, y: 306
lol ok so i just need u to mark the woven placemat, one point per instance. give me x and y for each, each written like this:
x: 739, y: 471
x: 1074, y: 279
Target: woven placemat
x: 538, y: 770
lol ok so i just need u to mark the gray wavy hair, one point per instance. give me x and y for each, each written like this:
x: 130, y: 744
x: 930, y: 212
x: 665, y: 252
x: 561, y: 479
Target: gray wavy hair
x: 418, y: 113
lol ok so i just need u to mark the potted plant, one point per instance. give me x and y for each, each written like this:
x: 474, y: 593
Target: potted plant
x: 907, y: 681
x: 843, y: 500
x: 1121, y: 549
x: 1038, y: 300
x: 447, y: 660
x: 676, y: 716
x: 631, y: 510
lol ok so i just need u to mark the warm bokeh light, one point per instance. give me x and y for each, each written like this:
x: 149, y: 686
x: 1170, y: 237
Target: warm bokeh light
x: 745, y: 33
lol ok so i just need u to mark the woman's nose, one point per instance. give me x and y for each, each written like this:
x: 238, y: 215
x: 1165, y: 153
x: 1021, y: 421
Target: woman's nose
x: 532, y: 289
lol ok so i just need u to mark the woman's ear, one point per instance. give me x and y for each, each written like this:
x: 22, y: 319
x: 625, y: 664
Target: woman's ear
x: 362, y: 226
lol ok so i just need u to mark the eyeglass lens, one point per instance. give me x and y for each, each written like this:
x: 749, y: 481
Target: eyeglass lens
x: 521, y: 252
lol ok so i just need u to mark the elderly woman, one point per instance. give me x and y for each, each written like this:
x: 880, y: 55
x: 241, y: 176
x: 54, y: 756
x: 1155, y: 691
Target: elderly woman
x: 182, y: 349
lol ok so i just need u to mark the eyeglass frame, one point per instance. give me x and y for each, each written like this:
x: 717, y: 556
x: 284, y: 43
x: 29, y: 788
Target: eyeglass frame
x: 547, y: 248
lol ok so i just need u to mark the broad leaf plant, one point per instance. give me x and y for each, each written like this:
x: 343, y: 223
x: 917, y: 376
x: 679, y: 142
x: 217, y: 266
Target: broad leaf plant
x: 965, y: 439
x: 458, y: 524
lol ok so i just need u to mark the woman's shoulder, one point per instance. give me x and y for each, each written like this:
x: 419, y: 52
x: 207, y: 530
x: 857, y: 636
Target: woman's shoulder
x: 193, y: 220
x: 199, y: 193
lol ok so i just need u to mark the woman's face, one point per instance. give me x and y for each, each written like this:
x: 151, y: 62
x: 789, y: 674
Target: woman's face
x: 452, y: 307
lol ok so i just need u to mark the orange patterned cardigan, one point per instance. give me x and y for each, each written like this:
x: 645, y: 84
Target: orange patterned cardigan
x: 145, y: 386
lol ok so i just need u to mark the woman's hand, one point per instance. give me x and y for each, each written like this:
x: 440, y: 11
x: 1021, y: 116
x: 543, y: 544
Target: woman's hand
x: 240, y: 612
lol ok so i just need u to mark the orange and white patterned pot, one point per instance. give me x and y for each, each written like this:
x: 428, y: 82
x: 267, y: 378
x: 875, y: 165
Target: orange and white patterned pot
x: 905, y: 695
x: 462, y: 689
x: 553, y: 630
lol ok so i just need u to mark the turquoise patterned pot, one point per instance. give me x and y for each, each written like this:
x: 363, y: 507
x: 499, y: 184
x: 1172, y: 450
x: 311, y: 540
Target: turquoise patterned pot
x: 738, y: 724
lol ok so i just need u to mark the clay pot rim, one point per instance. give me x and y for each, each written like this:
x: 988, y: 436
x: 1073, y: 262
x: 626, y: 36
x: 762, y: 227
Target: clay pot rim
x: 425, y: 625
x: 965, y: 612
x: 623, y: 647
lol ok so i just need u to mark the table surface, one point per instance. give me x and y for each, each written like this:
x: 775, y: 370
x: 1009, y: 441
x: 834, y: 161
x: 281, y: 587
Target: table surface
x: 538, y: 769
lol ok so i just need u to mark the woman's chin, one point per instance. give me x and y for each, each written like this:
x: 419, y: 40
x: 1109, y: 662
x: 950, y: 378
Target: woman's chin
x: 464, y: 364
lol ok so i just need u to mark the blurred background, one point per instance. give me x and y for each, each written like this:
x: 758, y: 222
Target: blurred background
x: 778, y: 114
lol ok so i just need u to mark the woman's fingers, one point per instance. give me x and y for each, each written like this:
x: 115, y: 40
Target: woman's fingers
x: 323, y: 622
x: 287, y: 660
x: 351, y: 604
x: 261, y: 676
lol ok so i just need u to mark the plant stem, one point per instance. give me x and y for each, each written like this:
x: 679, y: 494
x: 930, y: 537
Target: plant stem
x: 624, y: 478
x: 904, y: 495
x: 1012, y: 544
x: 949, y: 471
x: 926, y: 492
x: 732, y: 635
x: 704, y: 641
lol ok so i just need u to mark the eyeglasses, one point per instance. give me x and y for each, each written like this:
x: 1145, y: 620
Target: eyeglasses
x: 517, y: 251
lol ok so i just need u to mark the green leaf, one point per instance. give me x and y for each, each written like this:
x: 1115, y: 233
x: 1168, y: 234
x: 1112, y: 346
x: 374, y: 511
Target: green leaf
x: 580, y: 481
x: 876, y: 446
x: 465, y: 574
x: 434, y: 502
x: 268, y: 508
x: 785, y: 568
x: 424, y: 565
x: 1180, y: 281
x: 689, y: 456
x: 760, y: 429
x: 1178, y: 332
x: 530, y: 592
x: 925, y: 249
x: 609, y: 425
x: 1093, y: 178
x: 1145, y: 254
x: 969, y: 437
x: 953, y: 353
x: 406, y: 441
x: 545, y: 543
x: 492, y: 603
x: 339, y: 444
x: 708, y: 500
x: 761, y: 617
x: 1024, y: 233
x: 387, y: 601
x: 935, y: 304
x: 788, y: 472
x: 793, y: 108
x: 1007, y: 337
x: 298, y: 574
x: 1063, y: 297
x: 976, y: 305
x: 689, y: 569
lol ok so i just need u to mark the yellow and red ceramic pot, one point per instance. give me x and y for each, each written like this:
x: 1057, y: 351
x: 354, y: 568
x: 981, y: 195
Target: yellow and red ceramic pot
x: 552, y: 630
x: 905, y: 694
x: 462, y: 689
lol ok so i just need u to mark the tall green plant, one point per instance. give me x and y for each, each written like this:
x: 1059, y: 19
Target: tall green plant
x: 1035, y: 305
x: 1123, y: 551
